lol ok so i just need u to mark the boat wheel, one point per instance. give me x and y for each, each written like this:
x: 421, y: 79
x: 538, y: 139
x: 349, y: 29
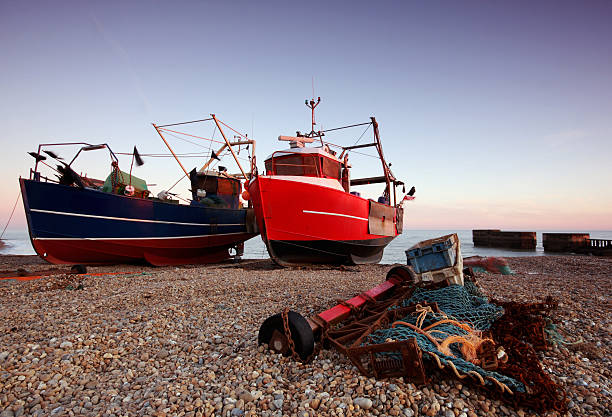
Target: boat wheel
x: 272, y: 332
x: 401, y: 273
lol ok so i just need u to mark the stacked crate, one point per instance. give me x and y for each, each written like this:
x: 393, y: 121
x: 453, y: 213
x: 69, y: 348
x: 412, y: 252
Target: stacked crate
x: 437, y: 260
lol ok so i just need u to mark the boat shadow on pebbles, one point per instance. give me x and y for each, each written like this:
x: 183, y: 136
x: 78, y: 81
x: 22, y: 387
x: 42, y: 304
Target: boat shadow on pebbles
x: 270, y: 265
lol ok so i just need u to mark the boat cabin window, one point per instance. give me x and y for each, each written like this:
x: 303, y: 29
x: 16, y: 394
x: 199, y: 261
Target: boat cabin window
x: 295, y: 164
x: 331, y: 168
x: 310, y: 165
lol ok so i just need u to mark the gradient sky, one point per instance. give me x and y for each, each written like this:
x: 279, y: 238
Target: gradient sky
x: 500, y: 113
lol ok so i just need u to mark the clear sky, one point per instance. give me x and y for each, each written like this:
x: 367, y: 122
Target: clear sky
x: 500, y: 113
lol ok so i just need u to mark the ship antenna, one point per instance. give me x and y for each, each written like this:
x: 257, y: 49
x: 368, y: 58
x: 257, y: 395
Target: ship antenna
x: 312, y: 105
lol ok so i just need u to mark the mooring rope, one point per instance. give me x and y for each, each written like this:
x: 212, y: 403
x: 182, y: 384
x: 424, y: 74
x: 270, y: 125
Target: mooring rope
x: 11, y: 216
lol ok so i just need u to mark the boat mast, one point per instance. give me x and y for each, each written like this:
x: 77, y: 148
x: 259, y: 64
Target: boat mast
x: 228, y: 144
x: 312, y: 106
x: 389, y: 177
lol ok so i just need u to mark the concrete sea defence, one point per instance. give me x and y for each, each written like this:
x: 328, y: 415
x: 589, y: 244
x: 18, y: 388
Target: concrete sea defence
x: 496, y: 238
x: 576, y: 243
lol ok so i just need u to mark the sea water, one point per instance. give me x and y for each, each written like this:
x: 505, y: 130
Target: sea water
x: 17, y: 242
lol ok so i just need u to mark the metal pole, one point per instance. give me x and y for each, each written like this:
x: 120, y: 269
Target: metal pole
x: 228, y: 144
x: 253, y: 160
x: 36, y: 165
x: 171, y: 151
x: 380, y: 154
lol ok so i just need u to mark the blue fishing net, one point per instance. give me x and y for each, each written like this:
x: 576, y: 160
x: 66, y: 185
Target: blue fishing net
x: 465, y: 304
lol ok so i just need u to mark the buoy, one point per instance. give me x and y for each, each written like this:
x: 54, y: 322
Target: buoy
x: 129, y: 190
x: 246, y: 195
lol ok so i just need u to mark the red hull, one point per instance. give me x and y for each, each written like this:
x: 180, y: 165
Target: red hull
x: 309, y: 222
x: 158, y: 252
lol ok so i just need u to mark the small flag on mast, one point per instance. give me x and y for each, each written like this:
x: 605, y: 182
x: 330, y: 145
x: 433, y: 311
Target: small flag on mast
x: 137, y: 157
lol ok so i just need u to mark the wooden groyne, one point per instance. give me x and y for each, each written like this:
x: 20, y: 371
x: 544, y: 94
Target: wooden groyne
x: 495, y: 238
x: 576, y: 243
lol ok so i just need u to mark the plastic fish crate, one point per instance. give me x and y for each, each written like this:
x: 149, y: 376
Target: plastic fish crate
x: 433, y: 254
x: 452, y: 275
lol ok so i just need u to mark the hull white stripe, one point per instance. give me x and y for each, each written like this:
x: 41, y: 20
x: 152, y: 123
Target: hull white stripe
x: 137, y: 238
x: 130, y: 220
x: 334, y: 214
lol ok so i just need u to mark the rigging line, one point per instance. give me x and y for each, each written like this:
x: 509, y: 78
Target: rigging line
x: 12, y: 212
x: 187, y: 140
x: 180, y: 179
x: 184, y: 123
x: 365, y: 154
x: 366, y: 129
x: 224, y: 153
x: 233, y: 130
x: 201, y: 155
x: 154, y: 155
x: 346, y: 127
x: 193, y: 136
x: 183, y: 199
x: 210, y: 151
x: 357, y: 152
x: 238, y: 157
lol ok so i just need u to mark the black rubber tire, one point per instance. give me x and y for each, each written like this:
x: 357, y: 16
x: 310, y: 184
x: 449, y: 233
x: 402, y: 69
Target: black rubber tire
x: 402, y: 272
x: 301, y: 333
x: 78, y: 269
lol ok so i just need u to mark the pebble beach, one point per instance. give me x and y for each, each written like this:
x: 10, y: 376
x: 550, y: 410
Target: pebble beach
x: 182, y: 341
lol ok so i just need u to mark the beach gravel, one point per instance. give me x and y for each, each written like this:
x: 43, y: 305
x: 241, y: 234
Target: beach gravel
x: 183, y: 341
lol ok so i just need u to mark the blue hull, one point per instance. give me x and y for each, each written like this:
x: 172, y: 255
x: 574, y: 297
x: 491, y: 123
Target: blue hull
x: 74, y: 225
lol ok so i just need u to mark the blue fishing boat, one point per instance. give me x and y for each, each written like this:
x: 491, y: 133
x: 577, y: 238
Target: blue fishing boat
x: 73, y: 219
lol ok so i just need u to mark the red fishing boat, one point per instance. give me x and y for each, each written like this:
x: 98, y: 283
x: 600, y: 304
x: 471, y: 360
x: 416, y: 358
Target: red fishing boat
x: 306, y: 209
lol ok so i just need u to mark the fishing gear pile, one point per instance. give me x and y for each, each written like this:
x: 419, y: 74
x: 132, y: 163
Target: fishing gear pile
x: 491, y: 344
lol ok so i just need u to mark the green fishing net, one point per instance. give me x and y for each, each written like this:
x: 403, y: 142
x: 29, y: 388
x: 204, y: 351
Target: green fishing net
x: 464, y: 304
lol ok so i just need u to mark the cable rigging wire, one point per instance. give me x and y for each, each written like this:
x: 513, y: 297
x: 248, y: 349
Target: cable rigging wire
x: 188, y: 141
x: 356, y: 142
x: 366, y: 129
x: 162, y: 155
x: 175, y: 184
x: 12, y: 212
x: 193, y: 136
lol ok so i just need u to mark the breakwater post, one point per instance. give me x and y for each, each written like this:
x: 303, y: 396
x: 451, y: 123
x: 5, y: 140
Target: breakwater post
x: 495, y: 238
